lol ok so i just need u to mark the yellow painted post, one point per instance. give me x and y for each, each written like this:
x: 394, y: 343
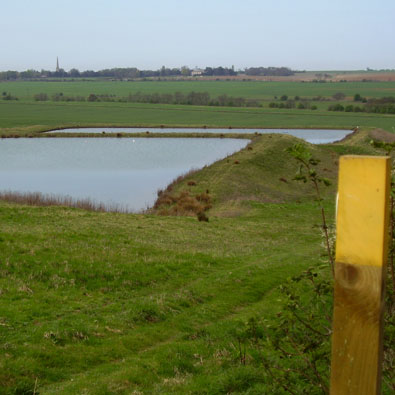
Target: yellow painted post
x: 360, y: 267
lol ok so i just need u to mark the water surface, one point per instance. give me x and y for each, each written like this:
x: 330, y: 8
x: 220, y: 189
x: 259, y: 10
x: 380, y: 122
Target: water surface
x: 314, y: 136
x: 126, y: 172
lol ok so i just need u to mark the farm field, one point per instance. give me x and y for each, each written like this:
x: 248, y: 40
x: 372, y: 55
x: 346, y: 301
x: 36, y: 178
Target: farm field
x: 42, y: 116
x: 261, y: 90
x: 26, y: 115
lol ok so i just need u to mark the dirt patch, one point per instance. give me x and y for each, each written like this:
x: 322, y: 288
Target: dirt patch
x: 390, y: 76
x: 382, y: 135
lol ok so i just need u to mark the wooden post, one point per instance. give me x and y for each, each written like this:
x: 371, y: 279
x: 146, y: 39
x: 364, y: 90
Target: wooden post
x: 360, y: 271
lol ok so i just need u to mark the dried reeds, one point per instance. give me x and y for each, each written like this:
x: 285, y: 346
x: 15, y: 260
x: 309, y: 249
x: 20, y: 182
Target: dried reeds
x: 40, y: 199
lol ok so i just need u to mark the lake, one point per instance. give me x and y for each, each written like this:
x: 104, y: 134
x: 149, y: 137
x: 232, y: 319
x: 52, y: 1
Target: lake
x: 125, y: 172
x: 314, y: 136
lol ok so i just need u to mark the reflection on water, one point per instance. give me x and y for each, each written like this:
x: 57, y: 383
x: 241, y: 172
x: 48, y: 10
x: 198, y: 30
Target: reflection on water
x: 126, y: 172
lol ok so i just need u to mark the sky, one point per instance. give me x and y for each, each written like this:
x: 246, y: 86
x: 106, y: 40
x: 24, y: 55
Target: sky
x: 147, y: 34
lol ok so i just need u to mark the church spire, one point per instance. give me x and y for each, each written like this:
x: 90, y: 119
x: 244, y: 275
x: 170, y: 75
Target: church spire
x: 57, y: 65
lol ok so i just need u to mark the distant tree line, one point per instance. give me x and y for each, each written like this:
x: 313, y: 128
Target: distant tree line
x: 302, y: 105
x: 192, y: 98
x: 384, y: 105
x: 133, y: 73
x: 8, y: 96
x: 269, y: 71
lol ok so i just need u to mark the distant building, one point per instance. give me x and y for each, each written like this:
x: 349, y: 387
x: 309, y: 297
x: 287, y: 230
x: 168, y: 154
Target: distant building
x: 196, y: 72
x: 57, y: 65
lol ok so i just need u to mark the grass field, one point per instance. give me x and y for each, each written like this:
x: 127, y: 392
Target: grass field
x: 27, y: 115
x: 261, y: 90
x: 41, y: 116
x: 100, y: 303
x: 111, y: 304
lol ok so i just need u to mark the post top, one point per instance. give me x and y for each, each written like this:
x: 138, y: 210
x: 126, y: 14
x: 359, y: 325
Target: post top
x: 362, y: 211
x: 364, y: 157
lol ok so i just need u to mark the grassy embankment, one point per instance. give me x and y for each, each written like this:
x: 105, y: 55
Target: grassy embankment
x: 27, y: 117
x: 115, y: 303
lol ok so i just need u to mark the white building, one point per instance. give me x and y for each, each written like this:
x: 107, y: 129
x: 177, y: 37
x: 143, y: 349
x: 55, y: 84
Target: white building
x: 196, y: 72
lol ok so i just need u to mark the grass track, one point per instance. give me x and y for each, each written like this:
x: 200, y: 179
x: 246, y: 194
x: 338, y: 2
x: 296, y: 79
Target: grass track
x: 107, y: 292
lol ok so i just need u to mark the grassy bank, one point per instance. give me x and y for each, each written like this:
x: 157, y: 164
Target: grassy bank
x: 118, y: 303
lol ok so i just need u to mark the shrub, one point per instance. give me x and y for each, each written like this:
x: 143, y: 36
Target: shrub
x: 336, y: 107
x: 41, y: 97
x: 92, y: 97
x: 339, y: 96
x: 203, y: 197
x: 202, y: 217
x: 8, y: 96
x: 357, y: 97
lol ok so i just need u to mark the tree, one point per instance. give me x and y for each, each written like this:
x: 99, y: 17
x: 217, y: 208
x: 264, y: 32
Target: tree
x: 185, y: 71
x: 74, y: 73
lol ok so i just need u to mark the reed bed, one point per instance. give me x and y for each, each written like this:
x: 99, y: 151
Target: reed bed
x: 40, y: 199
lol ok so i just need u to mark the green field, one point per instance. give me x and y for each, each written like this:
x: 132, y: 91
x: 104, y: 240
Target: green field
x: 261, y: 90
x: 111, y: 304
x: 48, y: 114
x: 27, y: 115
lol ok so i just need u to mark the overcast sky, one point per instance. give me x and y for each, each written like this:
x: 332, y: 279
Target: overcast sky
x: 97, y: 34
